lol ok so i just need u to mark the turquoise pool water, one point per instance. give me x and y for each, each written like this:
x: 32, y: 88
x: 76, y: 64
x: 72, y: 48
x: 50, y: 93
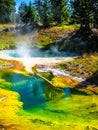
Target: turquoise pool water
x: 33, y: 90
x: 46, y: 105
x: 36, y: 53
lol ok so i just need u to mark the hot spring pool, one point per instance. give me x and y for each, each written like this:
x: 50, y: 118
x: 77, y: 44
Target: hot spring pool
x: 45, y: 105
x: 33, y: 90
x: 35, y: 53
x: 31, y: 58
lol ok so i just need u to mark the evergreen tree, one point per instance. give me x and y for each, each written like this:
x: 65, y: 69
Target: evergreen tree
x: 38, y: 6
x: 60, y: 10
x: 43, y: 8
x: 31, y: 13
x: 27, y: 13
x: 46, y: 13
x: 95, y: 13
x: 22, y: 11
x: 84, y: 12
x: 6, y: 8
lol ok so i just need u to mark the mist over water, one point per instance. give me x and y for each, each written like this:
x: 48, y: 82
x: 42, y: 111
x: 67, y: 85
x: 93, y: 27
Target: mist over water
x: 22, y: 50
x: 27, y: 52
x: 26, y: 44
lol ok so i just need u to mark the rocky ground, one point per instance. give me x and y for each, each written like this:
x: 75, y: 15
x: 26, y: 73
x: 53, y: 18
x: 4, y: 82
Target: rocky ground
x: 10, y: 64
x: 81, y: 67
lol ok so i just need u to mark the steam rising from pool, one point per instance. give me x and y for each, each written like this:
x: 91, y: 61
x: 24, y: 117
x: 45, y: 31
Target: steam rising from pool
x: 31, y: 56
x: 22, y: 50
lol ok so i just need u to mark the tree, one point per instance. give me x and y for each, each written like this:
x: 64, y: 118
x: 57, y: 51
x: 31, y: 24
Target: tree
x: 38, y: 6
x: 27, y: 13
x: 31, y: 13
x: 22, y: 12
x: 6, y: 8
x: 46, y: 13
x: 84, y: 12
x: 52, y: 10
x: 95, y: 13
x: 60, y: 10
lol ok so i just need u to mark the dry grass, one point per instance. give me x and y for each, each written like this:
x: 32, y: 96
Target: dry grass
x: 3, y: 26
x: 81, y: 67
x: 51, y: 35
x: 6, y: 40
